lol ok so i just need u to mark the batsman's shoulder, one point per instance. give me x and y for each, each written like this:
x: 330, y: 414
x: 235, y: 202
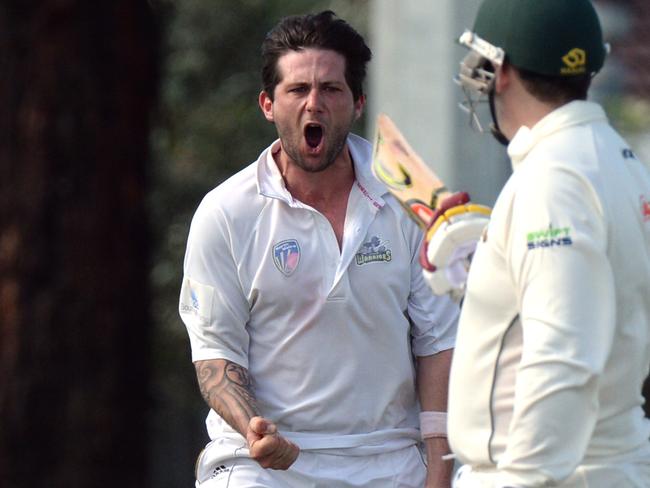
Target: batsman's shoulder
x: 236, y: 190
x: 234, y: 198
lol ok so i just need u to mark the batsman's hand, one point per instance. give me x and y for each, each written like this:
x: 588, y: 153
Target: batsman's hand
x: 450, y: 242
x: 268, y: 447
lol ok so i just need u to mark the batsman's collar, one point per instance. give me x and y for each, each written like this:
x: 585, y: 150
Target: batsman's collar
x: 361, y: 152
x: 573, y: 113
x: 269, y: 179
x: 271, y: 184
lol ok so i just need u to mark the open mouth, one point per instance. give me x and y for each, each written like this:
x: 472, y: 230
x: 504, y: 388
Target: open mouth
x: 313, y: 135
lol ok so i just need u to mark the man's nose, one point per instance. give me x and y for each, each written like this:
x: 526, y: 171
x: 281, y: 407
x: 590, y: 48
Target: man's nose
x: 314, y: 100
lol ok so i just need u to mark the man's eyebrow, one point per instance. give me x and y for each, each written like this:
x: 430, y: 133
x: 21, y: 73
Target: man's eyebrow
x: 320, y: 84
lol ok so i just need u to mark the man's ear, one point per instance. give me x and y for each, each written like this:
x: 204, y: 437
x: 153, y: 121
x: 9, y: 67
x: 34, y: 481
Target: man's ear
x: 358, y: 107
x: 266, y: 104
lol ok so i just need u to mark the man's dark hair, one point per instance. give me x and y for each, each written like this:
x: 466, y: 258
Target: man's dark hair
x: 557, y: 90
x: 323, y: 30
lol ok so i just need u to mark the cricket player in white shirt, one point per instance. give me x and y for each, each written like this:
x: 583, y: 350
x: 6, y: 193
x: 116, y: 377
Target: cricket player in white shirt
x: 316, y: 341
x: 554, y: 336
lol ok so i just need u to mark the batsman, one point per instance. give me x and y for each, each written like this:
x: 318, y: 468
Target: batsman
x: 553, y: 342
x: 321, y: 352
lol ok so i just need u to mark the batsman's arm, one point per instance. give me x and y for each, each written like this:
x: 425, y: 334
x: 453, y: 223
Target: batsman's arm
x: 433, y: 383
x: 226, y: 387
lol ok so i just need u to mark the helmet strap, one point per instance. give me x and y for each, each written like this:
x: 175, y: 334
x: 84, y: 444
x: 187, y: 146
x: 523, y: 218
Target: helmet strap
x: 494, y: 126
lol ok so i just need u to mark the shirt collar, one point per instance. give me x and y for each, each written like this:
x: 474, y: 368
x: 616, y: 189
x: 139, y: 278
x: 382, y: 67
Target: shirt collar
x: 573, y: 113
x: 271, y: 184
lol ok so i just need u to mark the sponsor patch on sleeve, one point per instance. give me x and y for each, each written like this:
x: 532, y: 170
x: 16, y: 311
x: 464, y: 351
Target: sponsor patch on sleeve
x: 549, y: 237
x: 196, y: 299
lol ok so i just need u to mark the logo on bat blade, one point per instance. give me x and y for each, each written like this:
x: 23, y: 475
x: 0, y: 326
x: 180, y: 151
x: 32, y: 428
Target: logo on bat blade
x: 398, y: 183
x: 286, y: 256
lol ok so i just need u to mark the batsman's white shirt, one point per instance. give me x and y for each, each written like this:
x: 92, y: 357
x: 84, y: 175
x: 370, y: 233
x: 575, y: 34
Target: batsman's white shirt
x: 554, y: 336
x: 327, y: 335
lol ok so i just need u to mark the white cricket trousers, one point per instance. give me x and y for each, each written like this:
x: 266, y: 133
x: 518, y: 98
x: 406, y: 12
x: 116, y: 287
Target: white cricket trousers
x: 404, y: 468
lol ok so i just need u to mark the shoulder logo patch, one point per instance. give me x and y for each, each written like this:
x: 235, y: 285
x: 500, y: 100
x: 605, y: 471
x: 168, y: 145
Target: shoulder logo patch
x: 286, y: 256
x: 374, y: 250
x: 628, y: 153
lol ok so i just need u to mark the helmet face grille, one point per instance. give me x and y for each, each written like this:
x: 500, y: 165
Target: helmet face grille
x: 476, y: 75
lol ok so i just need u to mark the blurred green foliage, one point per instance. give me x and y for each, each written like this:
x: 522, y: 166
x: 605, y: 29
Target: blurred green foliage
x: 207, y: 127
x: 630, y: 114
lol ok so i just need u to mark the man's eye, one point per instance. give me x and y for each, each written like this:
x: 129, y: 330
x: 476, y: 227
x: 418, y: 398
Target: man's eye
x: 298, y: 89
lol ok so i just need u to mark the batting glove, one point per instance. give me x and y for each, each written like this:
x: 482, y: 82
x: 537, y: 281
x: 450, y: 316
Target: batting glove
x: 450, y: 242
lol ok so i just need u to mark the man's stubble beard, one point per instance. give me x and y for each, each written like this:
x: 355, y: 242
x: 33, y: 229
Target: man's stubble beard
x: 336, y: 143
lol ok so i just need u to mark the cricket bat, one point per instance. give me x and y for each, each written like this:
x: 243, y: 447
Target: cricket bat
x: 408, y: 178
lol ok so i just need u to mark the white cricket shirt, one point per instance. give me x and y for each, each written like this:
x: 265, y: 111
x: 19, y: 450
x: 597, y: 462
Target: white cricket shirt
x: 554, y: 337
x: 328, y: 336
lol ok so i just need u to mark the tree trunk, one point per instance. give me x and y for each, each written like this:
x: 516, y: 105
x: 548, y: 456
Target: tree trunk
x: 77, y: 85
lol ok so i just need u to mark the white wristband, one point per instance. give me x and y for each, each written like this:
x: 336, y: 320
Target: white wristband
x: 433, y: 424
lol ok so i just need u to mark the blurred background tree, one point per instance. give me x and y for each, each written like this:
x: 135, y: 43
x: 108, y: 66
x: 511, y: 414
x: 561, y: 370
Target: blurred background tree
x: 79, y: 80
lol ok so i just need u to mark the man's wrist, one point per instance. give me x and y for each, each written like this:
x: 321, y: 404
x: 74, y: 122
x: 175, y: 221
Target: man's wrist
x: 433, y: 424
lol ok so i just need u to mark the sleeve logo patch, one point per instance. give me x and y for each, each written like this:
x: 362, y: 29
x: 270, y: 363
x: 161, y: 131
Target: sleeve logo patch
x: 551, y: 237
x: 196, y: 299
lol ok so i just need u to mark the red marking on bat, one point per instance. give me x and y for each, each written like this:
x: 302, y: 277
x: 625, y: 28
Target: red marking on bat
x: 424, y: 212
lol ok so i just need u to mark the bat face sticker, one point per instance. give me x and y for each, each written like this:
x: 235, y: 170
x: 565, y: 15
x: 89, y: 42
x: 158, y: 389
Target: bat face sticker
x: 399, y: 182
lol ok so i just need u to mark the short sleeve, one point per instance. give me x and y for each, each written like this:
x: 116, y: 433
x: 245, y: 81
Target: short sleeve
x: 212, y: 305
x: 434, y: 319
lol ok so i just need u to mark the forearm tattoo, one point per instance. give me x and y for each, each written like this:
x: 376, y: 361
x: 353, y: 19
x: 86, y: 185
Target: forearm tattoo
x: 226, y: 387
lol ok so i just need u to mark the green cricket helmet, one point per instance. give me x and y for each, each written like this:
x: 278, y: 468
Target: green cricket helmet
x: 560, y: 38
x: 548, y: 37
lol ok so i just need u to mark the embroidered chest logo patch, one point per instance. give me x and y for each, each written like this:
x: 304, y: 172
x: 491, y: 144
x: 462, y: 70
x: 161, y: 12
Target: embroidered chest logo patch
x: 374, y: 250
x: 551, y: 237
x: 286, y: 256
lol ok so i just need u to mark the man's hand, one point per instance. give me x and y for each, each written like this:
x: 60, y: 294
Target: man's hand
x: 450, y: 242
x: 268, y: 447
x: 439, y: 470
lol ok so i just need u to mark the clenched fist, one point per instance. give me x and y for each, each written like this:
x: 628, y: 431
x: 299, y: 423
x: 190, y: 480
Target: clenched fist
x: 268, y: 447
